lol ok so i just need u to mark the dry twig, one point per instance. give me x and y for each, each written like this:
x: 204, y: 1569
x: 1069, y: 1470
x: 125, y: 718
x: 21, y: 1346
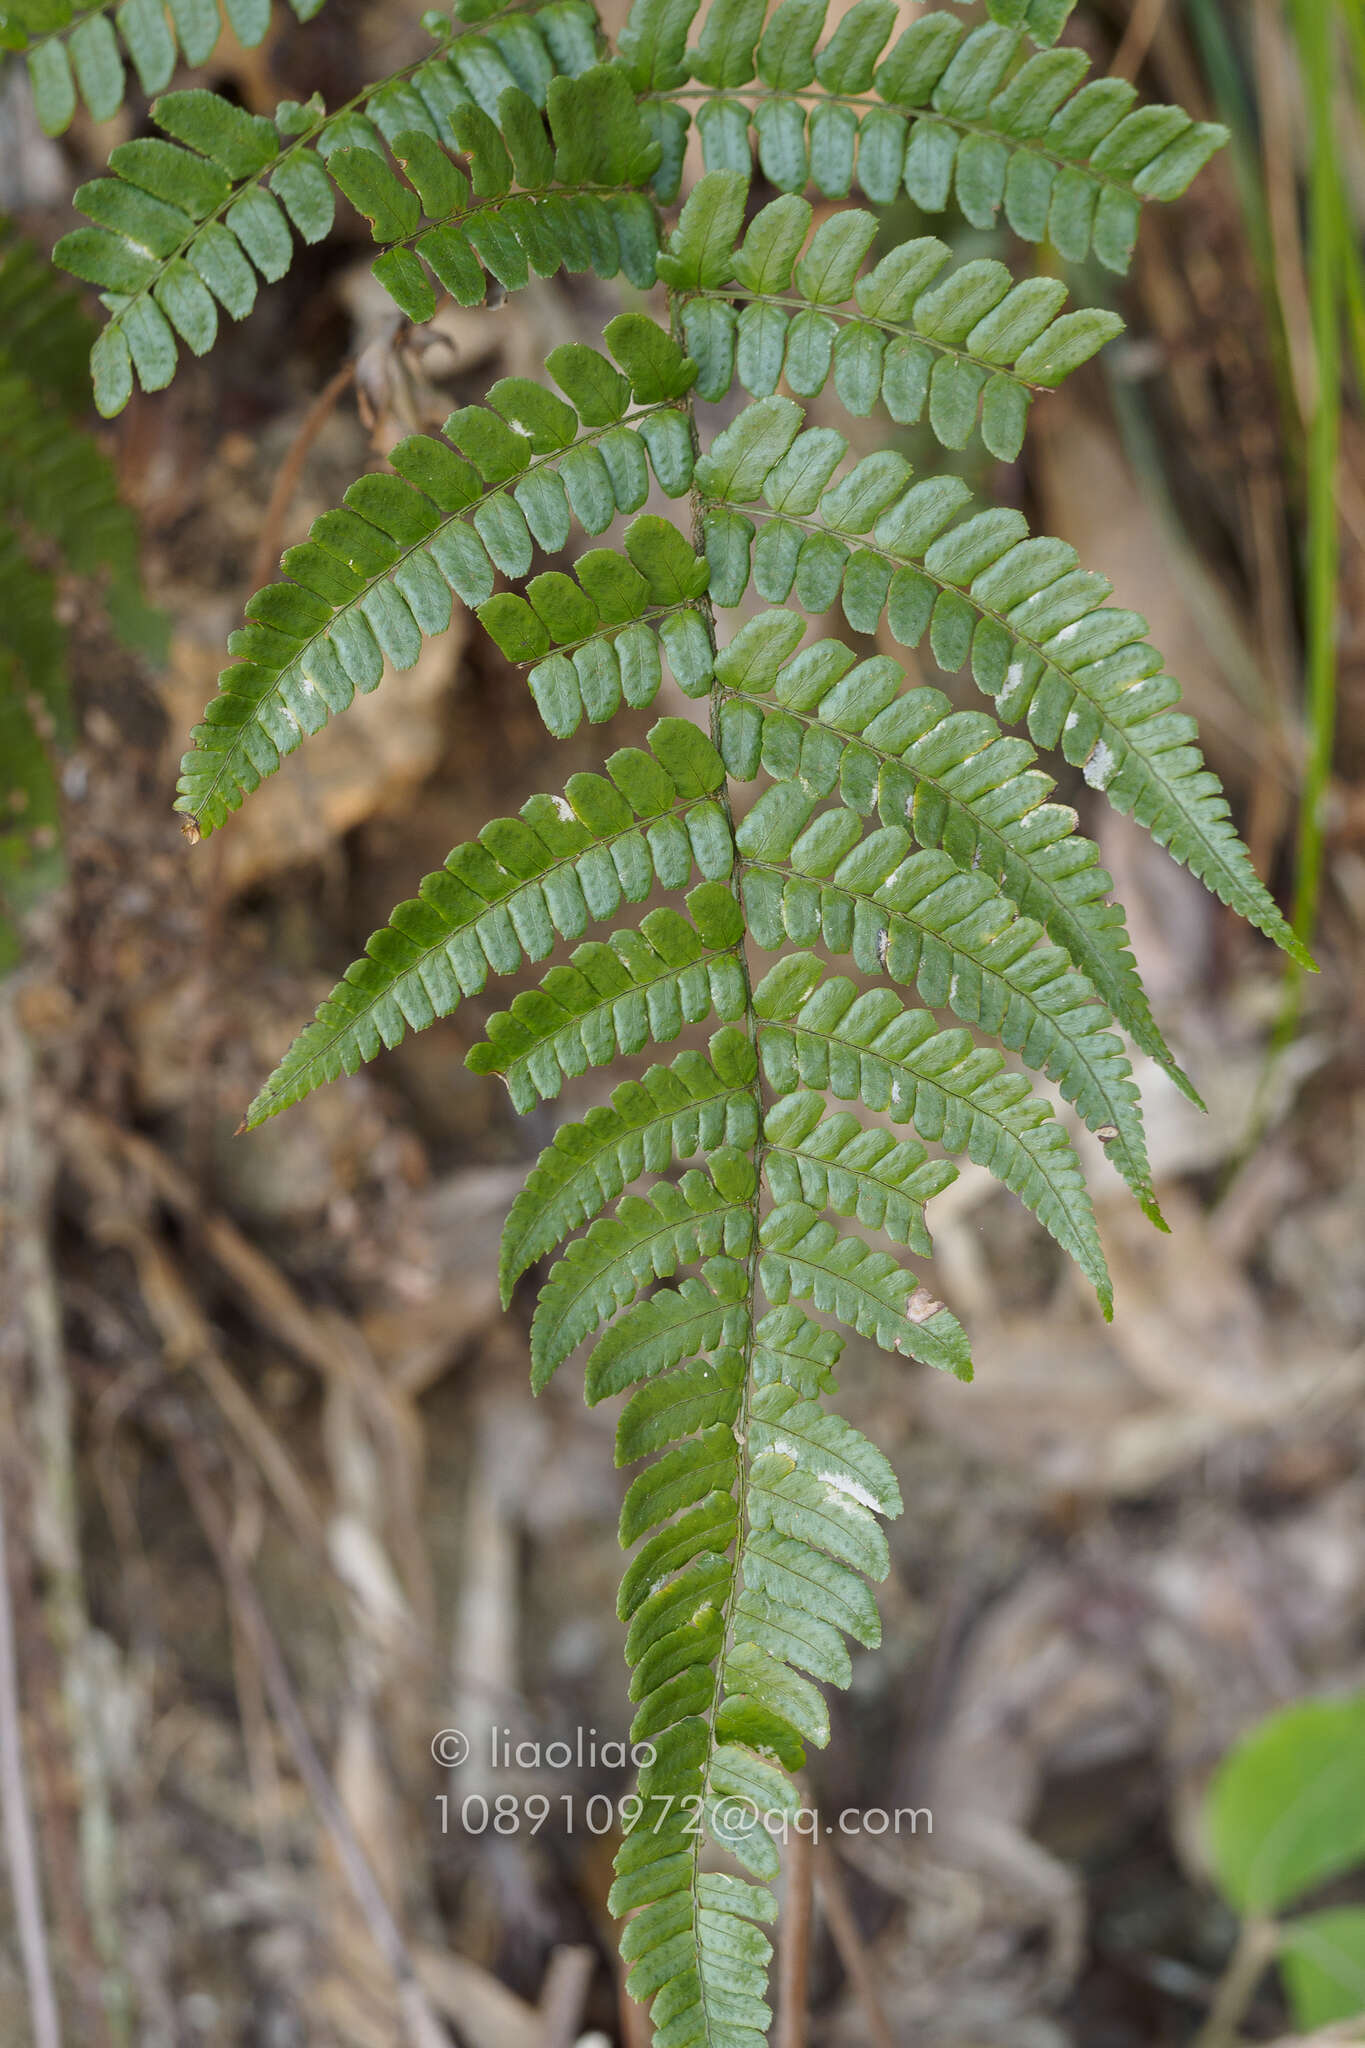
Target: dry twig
x: 21, y: 1852
x: 847, y: 1940
x: 564, y: 1993
x: 56, y: 1514
x: 1138, y: 38
x: 268, y: 548
x: 423, y: 2028
x: 794, y: 1950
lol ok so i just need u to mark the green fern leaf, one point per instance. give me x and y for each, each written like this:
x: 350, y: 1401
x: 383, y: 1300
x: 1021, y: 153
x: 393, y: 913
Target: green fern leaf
x: 702, y: 1216
x: 1040, y: 637
x: 822, y: 1033
x: 832, y: 1162
x: 674, y: 1112
x: 958, y: 782
x: 564, y: 863
x: 638, y: 989
x: 911, y: 339
x: 188, y: 221
x: 806, y: 1257
x: 919, y: 920
x: 697, y: 1318
x: 377, y: 574
x: 59, y: 510
x: 958, y: 114
x: 1043, y: 19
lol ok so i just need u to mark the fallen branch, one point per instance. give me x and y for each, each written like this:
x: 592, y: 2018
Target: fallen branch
x: 21, y: 1852
x: 422, y: 2027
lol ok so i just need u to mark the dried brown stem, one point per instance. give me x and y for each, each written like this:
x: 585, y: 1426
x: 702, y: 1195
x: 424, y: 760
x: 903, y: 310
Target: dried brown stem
x: 793, y: 1953
x: 563, y: 1995
x: 1138, y: 38
x: 56, y: 1515
x: 21, y: 1851
x: 852, y: 1951
x: 266, y: 558
x: 423, y: 2028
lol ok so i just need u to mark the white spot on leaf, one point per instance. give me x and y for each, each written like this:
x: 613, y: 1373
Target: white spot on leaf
x: 1099, y: 765
x: 922, y: 1305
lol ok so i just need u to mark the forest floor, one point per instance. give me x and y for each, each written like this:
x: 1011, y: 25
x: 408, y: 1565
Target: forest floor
x: 306, y: 1452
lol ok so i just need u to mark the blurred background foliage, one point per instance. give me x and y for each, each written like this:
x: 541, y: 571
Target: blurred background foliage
x: 277, y: 1504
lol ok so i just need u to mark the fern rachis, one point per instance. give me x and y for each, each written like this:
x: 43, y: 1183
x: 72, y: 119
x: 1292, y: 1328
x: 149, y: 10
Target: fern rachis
x: 715, y: 1208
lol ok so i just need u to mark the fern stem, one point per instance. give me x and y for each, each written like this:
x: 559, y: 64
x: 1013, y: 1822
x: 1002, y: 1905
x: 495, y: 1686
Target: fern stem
x: 742, y: 1420
x: 865, y: 103
x: 789, y: 302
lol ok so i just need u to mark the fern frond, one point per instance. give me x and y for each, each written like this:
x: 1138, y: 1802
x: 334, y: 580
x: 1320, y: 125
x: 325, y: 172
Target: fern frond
x: 639, y: 988
x: 68, y: 47
x: 32, y: 642
x: 44, y: 329
x: 691, y: 1106
x: 1041, y: 639
x: 919, y: 843
x: 958, y: 782
x: 700, y: 1317
x: 829, y: 1160
x: 805, y: 1257
x: 791, y: 1350
x: 553, y: 142
x: 818, y: 1031
x: 916, y: 918
x: 972, y: 343
x: 504, y: 898
x: 946, y: 112
x: 701, y: 1216
x: 721, y: 1646
x: 377, y: 574
x: 55, y: 483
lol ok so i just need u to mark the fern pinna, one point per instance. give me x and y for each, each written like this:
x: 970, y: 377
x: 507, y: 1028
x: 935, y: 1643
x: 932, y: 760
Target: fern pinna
x: 872, y: 895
